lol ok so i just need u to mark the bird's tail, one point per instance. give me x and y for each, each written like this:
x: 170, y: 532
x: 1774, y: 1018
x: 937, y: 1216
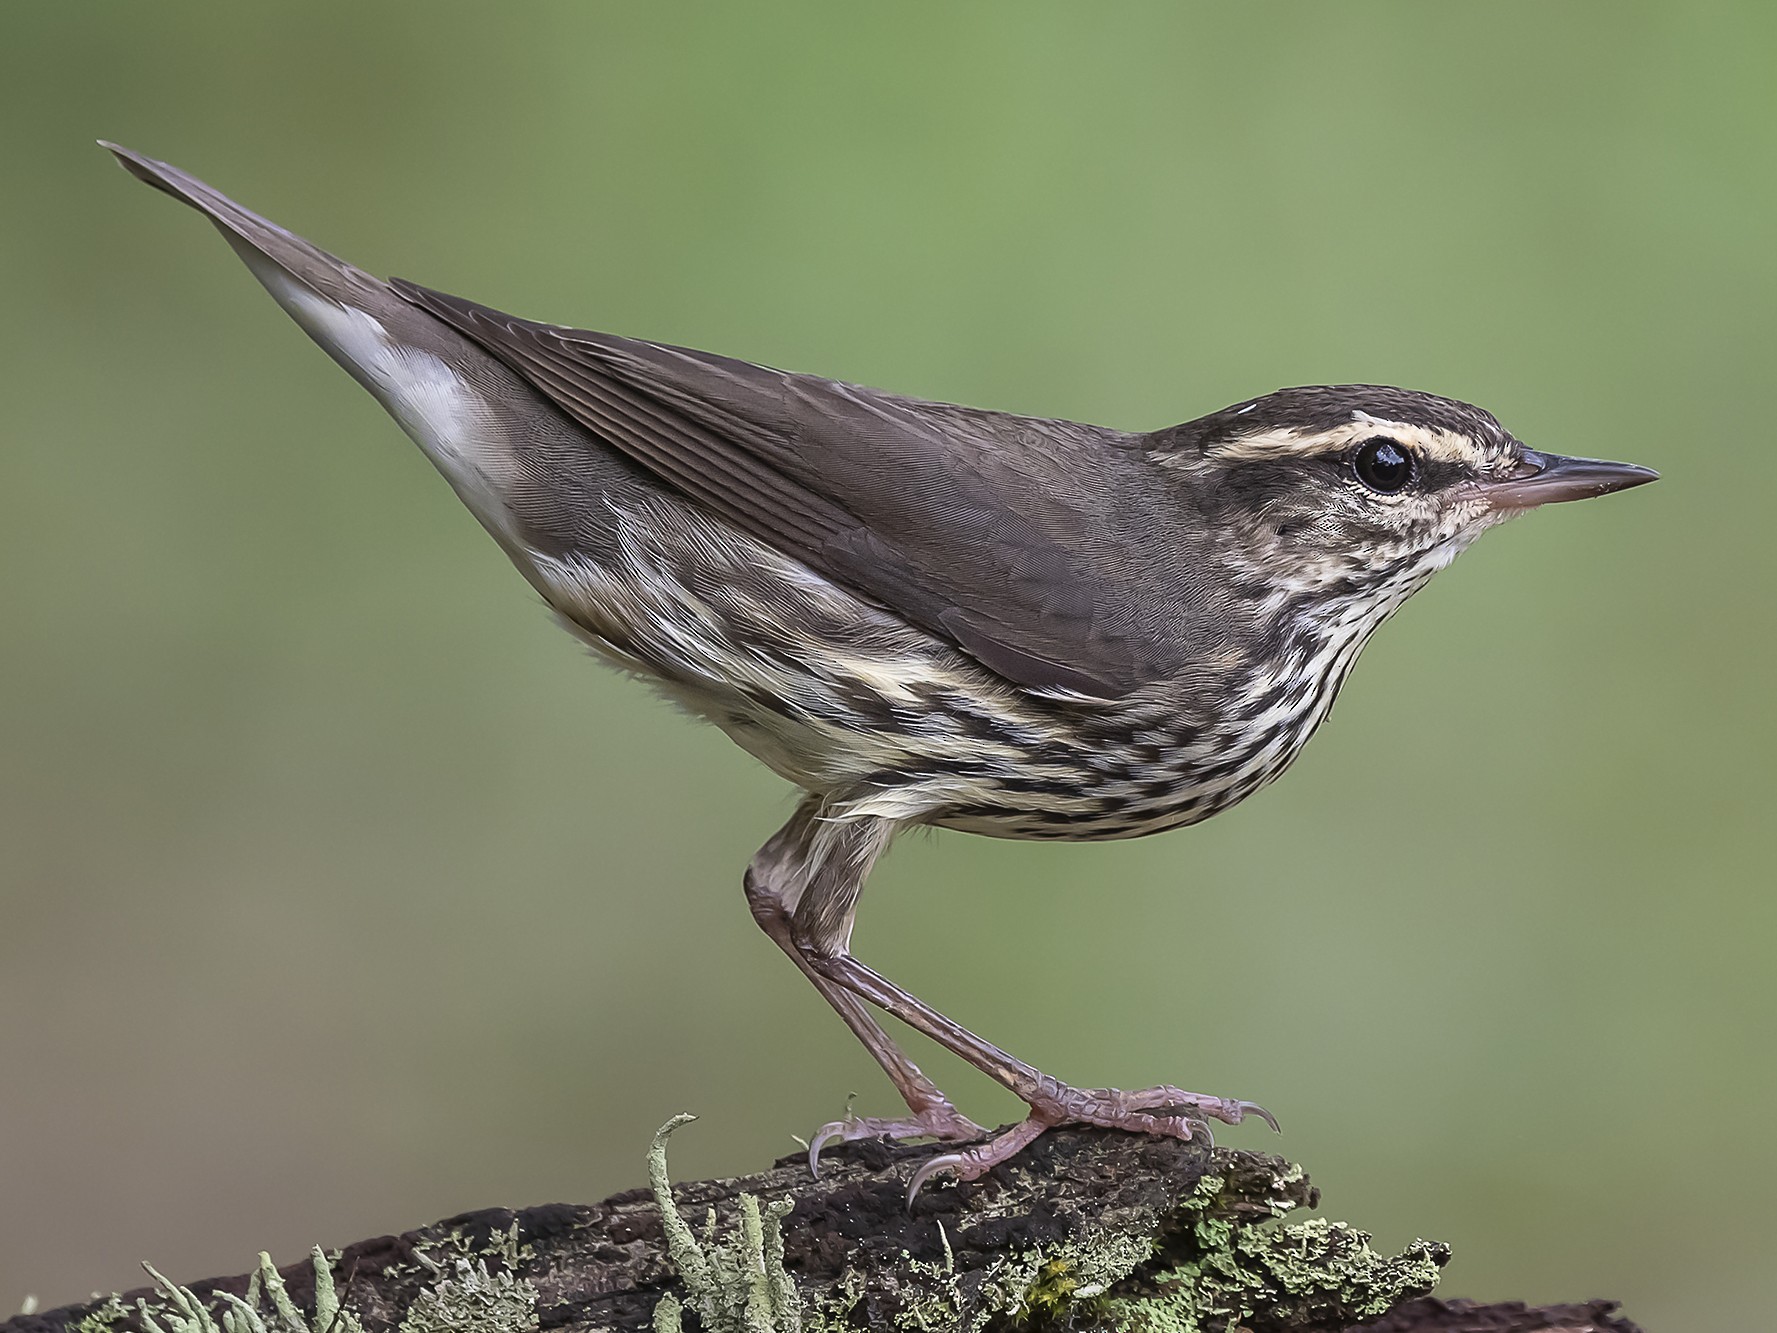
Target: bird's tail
x: 470, y: 415
x: 386, y: 344
x: 261, y: 242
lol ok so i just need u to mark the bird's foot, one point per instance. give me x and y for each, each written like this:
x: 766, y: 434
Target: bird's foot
x: 939, y: 1120
x: 1164, y: 1111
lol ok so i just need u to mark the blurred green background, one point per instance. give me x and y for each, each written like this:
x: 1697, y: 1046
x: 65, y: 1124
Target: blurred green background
x: 340, y: 892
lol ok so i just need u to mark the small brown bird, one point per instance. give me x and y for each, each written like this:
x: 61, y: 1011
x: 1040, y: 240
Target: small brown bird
x: 924, y: 614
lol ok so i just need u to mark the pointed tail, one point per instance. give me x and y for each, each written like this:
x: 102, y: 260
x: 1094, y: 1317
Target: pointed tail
x: 469, y: 414
x: 258, y: 240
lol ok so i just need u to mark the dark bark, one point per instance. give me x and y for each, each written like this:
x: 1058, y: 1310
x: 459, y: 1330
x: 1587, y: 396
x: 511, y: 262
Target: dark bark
x: 1086, y: 1230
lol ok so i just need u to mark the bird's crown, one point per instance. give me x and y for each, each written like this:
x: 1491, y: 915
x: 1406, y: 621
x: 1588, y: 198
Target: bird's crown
x: 1322, y: 420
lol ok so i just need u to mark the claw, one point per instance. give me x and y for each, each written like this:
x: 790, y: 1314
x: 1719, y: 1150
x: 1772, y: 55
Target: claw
x: 827, y: 1133
x: 972, y: 1163
x: 941, y: 1121
x: 1166, y: 1111
x: 1244, y: 1109
x: 950, y: 1161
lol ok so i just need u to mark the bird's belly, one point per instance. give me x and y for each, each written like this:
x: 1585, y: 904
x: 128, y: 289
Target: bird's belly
x: 1129, y: 799
x: 886, y: 721
x: 1146, y: 769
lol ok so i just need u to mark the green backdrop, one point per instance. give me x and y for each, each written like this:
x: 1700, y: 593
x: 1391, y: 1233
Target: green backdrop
x: 339, y: 891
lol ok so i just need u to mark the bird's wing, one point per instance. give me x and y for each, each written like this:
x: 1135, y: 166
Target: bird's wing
x: 1008, y: 536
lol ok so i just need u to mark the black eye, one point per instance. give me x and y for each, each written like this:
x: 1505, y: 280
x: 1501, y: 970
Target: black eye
x: 1383, y: 465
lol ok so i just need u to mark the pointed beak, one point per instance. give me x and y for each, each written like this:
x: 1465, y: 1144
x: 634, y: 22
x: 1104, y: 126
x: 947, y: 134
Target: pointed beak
x: 1549, y: 478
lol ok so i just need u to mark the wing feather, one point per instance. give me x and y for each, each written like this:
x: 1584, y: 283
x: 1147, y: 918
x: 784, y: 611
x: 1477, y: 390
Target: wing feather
x: 1008, y: 536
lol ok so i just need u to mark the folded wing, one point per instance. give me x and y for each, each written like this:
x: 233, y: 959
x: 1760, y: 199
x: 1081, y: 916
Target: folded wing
x: 1009, y: 536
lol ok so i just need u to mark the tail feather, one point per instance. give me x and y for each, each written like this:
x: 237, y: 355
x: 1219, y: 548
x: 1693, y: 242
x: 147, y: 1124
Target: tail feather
x: 258, y: 239
x: 467, y: 412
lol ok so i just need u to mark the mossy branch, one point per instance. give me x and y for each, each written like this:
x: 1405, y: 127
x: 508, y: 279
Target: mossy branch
x: 1084, y: 1231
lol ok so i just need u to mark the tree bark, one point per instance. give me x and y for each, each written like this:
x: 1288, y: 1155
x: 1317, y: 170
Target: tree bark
x: 1085, y: 1230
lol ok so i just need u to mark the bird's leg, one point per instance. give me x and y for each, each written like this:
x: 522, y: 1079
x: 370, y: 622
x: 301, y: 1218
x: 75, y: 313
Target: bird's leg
x: 820, y: 939
x: 776, y: 880
x: 1164, y: 1110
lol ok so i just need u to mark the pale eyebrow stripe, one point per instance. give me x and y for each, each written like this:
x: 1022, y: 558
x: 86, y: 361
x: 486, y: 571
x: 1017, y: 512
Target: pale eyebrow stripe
x: 1444, y: 446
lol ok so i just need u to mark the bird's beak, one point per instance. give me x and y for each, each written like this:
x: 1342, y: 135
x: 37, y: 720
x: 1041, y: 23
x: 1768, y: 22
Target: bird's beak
x: 1548, y: 478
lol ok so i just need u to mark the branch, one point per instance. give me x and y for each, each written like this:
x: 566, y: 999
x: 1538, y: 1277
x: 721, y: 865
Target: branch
x: 1086, y: 1230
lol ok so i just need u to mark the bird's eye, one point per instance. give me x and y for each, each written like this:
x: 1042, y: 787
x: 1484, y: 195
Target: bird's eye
x: 1383, y: 465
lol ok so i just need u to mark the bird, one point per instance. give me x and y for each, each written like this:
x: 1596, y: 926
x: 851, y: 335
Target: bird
x: 924, y: 614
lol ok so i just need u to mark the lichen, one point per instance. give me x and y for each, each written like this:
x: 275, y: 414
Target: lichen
x: 465, y: 1298
x: 1218, y: 1272
x: 737, y: 1285
x: 471, y: 1299
x: 936, y: 1309
x: 1315, y: 1271
x: 1221, y: 1260
x: 266, y: 1308
x: 1043, y: 1287
x: 106, y: 1317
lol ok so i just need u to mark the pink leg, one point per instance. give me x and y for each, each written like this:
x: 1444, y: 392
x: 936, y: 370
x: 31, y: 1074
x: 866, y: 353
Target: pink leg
x: 803, y: 887
x: 932, y: 1115
x: 1162, y: 1110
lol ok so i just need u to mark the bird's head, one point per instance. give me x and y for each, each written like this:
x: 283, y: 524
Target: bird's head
x: 1359, y: 493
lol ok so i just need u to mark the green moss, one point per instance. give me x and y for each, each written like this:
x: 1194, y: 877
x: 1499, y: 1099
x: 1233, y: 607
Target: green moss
x: 1053, y: 1291
x: 1037, y: 1289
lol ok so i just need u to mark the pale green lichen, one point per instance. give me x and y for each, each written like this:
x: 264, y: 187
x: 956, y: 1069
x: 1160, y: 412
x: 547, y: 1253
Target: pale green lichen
x: 1215, y: 1274
x: 106, y: 1317
x: 467, y: 1298
x: 1300, y: 1270
x: 1039, y: 1286
x: 500, y: 1247
x: 938, y: 1310
x: 735, y: 1286
x: 1234, y: 1271
x: 266, y: 1308
x: 471, y: 1299
x: 740, y: 1285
